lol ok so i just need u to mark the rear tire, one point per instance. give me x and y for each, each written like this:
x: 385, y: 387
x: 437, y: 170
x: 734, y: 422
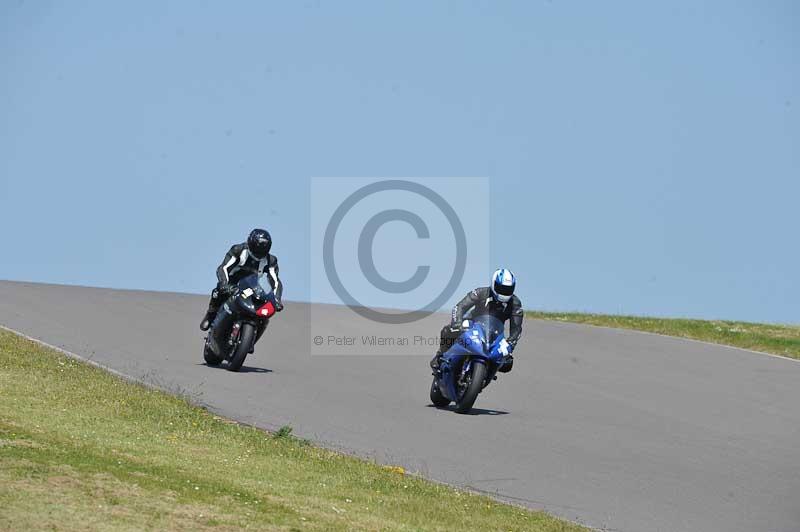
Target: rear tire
x: 437, y: 398
x: 246, y: 340
x: 464, y: 404
x: 209, y: 356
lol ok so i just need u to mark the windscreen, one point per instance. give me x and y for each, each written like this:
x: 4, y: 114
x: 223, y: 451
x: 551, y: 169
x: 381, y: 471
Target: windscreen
x: 493, y: 326
x: 264, y: 285
x: 250, y: 281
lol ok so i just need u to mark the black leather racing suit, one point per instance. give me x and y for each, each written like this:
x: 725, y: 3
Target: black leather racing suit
x: 238, y: 263
x: 480, y: 302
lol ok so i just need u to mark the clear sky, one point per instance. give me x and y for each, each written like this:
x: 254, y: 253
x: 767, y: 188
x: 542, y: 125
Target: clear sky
x: 644, y: 157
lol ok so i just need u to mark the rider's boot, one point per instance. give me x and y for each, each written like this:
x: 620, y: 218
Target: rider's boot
x: 207, y: 319
x: 435, y: 362
x: 213, y: 307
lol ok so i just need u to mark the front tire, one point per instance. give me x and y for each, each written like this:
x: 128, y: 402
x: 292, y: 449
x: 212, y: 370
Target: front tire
x: 437, y: 398
x: 246, y: 340
x: 465, y: 402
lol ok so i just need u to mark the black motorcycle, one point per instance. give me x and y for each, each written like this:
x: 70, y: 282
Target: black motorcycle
x: 240, y: 322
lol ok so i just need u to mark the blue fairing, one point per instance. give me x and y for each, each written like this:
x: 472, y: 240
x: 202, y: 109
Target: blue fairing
x: 480, y: 341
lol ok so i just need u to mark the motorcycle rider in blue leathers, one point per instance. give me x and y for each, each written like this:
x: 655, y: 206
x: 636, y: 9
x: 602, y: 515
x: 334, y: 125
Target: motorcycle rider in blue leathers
x: 241, y: 260
x: 498, y: 300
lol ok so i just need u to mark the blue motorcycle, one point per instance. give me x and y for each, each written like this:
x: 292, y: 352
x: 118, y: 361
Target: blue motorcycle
x: 470, y: 364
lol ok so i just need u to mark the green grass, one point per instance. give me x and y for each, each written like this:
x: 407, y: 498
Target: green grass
x: 781, y: 340
x: 81, y: 449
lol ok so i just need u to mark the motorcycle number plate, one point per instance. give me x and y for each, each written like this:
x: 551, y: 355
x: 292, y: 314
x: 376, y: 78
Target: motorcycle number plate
x: 247, y: 292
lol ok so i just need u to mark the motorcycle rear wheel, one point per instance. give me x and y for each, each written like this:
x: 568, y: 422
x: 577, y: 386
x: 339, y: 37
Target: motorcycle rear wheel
x: 437, y: 398
x: 209, y: 356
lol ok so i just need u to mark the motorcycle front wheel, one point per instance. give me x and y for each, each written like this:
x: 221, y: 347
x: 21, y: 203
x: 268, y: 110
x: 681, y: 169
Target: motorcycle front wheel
x: 246, y: 339
x: 473, y: 388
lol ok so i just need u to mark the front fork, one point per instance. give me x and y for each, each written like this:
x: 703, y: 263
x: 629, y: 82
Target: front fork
x: 234, y: 336
x: 465, y: 369
x: 236, y: 330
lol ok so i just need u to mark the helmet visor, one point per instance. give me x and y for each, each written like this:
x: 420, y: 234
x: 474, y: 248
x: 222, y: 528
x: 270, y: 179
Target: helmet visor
x: 260, y: 248
x: 504, y: 290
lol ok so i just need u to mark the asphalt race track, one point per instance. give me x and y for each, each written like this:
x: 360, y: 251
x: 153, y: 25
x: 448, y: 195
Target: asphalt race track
x: 617, y: 430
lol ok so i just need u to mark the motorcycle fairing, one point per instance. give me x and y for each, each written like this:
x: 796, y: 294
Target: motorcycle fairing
x: 254, y: 299
x: 471, y: 344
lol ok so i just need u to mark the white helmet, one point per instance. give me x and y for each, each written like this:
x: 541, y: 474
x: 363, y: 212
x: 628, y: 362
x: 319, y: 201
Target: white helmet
x: 503, y: 283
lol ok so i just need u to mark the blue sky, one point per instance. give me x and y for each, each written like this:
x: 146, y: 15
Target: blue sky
x: 643, y: 157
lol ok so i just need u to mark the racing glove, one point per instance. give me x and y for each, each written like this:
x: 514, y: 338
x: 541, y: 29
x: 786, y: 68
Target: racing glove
x: 226, y: 290
x: 507, y: 361
x: 505, y: 348
x: 460, y: 328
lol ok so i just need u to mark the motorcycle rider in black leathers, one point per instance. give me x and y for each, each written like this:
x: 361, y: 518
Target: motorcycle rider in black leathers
x: 241, y: 260
x: 497, y: 300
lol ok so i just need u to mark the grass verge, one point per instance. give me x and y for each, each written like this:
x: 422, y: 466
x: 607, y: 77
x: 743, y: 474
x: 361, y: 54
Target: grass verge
x: 83, y: 449
x: 781, y: 340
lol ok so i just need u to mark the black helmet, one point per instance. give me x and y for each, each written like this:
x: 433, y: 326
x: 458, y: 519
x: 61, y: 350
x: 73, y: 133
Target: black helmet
x: 259, y: 243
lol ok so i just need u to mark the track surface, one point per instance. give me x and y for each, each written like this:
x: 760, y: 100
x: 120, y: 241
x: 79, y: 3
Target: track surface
x: 618, y: 430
